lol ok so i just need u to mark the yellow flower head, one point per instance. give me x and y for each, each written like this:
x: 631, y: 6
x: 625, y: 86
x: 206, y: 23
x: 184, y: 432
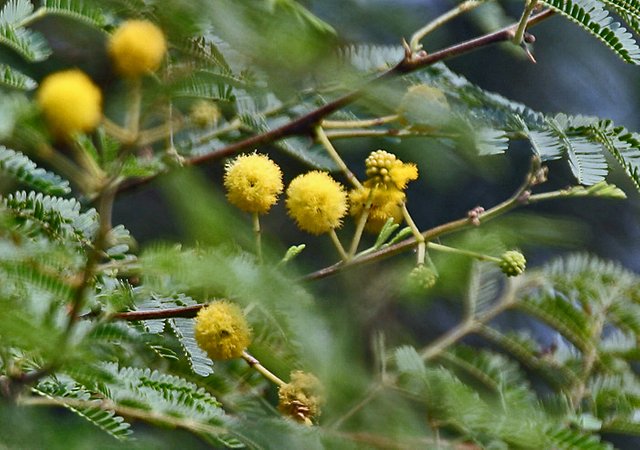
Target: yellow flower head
x: 424, y: 107
x: 316, y: 202
x: 204, y: 113
x: 384, y: 169
x: 222, y: 331
x: 301, y: 398
x: 136, y: 48
x: 385, y: 204
x: 253, y: 183
x: 70, y: 102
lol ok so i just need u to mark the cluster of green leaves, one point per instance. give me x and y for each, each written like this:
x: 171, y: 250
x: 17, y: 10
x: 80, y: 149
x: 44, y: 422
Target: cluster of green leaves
x: 589, y: 308
x: 112, y: 371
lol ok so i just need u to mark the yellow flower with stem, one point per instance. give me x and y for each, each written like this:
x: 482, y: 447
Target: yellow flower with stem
x: 382, y: 197
x: 317, y: 203
x: 301, y: 398
x: 222, y: 331
x: 253, y: 183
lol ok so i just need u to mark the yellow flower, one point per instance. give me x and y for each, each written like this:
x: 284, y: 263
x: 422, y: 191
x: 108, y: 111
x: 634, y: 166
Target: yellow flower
x: 424, y: 107
x: 222, y: 331
x: 301, y: 398
x: 253, y: 183
x: 204, y: 113
x: 136, y: 48
x: 385, y: 204
x: 316, y: 202
x: 70, y: 102
x: 384, y: 169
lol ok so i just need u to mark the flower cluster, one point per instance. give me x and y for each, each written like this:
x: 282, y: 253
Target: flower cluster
x: 301, y: 398
x: 69, y: 100
x: 222, y: 331
x: 385, y: 170
x: 387, y: 178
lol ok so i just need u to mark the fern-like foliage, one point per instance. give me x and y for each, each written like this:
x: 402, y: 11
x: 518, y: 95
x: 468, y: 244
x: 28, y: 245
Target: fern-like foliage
x: 20, y: 167
x: 59, y: 218
x: 171, y: 395
x: 78, y: 11
x: 182, y: 328
x: 27, y: 43
x: 12, y: 78
x: 487, y: 121
x: 93, y: 410
x: 592, y: 17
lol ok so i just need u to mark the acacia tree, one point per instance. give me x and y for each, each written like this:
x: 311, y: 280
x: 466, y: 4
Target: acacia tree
x: 229, y: 335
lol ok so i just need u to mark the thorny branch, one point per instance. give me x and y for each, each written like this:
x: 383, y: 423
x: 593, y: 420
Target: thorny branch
x: 304, y: 125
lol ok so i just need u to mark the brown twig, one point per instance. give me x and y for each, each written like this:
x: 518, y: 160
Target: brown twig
x: 518, y: 198
x: 181, y: 311
x: 304, y: 124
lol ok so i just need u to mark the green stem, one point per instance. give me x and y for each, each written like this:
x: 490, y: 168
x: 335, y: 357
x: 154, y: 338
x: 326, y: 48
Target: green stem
x: 302, y: 125
x: 552, y: 195
x: 326, y: 143
x: 421, y: 253
x: 470, y: 324
x: 366, y: 398
x: 362, y: 222
x: 524, y: 20
x: 458, y: 251
x: 589, y: 358
x: 135, y: 103
x: 393, y: 132
x: 151, y: 416
x: 518, y: 198
x: 65, y: 166
x: 336, y: 242
x: 258, y: 235
x: 448, y: 339
x: 105, y: 207
x: 463, y: 7
x: 255, y: 364
x: 234, y: 125
x: 359, y: 123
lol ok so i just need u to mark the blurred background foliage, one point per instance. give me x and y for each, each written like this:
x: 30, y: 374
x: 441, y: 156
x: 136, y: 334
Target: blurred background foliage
x: 345, y: 328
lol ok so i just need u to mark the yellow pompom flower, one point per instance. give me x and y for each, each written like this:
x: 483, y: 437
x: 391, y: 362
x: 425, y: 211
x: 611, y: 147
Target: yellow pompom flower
x: 222, y: 331
x: 205, y: 113
x: 385, y: 204
x: 137, y: 48
x: 253, y: 183
x: 385, y: 169
x: 70, y: 102
x: 316, y: 202
x: 301, y: 398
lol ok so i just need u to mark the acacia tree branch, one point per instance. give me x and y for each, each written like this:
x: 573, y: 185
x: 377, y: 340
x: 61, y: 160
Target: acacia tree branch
x: 305, y: 124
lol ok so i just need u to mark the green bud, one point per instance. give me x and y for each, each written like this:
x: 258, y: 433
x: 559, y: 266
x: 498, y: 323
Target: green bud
x: 512, y: 263
x: 423, y: 277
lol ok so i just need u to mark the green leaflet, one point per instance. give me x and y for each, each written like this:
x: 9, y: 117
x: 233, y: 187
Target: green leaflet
x: 593, y: 18
x: 59, y: 218
x: 20, y: 167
